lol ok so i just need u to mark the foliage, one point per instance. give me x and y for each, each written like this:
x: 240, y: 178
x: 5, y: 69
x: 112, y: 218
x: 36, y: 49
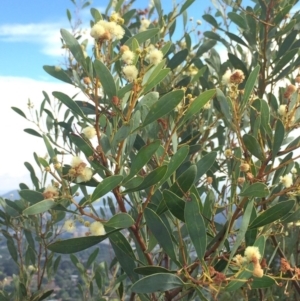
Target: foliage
x: 194, y: 154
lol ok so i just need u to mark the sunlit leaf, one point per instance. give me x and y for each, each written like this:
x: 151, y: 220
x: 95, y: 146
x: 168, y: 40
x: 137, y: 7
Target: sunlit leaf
x: 58, y: 73
x: 74, y: 46
x: 31, y: 196
x: 40, y: 207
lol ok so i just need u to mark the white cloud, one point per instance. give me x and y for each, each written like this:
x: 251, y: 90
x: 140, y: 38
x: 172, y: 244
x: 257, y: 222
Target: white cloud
x: 18, y: 146
x: 45, y: 35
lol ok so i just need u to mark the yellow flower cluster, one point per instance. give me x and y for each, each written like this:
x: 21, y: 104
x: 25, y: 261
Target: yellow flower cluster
x: 253, y: 255
x: 80, y: 171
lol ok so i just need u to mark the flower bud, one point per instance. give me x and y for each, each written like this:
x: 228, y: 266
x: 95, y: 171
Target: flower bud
x: 228, y: 152
x: 244, y: 167
x: 209, y: 180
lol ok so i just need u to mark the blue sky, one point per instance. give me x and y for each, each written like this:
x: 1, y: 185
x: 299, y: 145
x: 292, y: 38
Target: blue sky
x: 29, y: 39
x: 29, y: 32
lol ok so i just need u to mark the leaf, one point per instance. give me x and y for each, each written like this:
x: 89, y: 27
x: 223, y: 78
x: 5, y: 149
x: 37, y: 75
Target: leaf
x: 142, y: 158
x: 73, y: 245
x: 263, y: 282
x: 211, y: 20
x: 246, y: 274
x: 175, y: 162
x: 150, y: 270
x: 142, y: 37
x: 243, y: 229
x: 82, y: 145
x: 185, y: 181
x: 12, y: 249
x: 225, y: 108
x: 20, y: 112
x: 164, y: 49
x: 175, y: 204
x: 240, y: 280
x: 122, y: 133
x: 292, y: 217
x: 200, y: 292
x: 158, y: 7
x: 212, y: 35
x: 265, y: 117
x: 282, y: 14
x: 185, y: 5
x: 92, y: 258
x: 236, y: 38
x: 148, y: 100
x: 58, y: 73
x: 205, y: 163
x: 45, y: 294
x: 273, y: 214
x: 287, y: 43
x: 198, y: 75
x: 124, y: 90
x: 198, y: 104
x: 31, y: 196
x: 74, y: 46
x: 29, y: 238
x: 151, y: 179
x: 33, y: 176
x: 237, y: 63
x: 160, y: 76
x: 105, y: 186
x: 40, y: 207
x: 286, y: 59
x: 205, y: 46
x: 157, y: 282
x: 96, y: 14
x: 69, y: 16
x: 238, y: 20
x: 120, y: 220
x: 160, y: 232
x: 124, y: 255
x: 68, y: 102
x: 249, y: 87
x: 278, y: 138
x: 258, y: 190
x: 33, y: 132
x: 86, y: 107
x: 195, y: 226
x: 177, y: 59
x: 106, y: 79
x: 253, y: 146
x: 164, y: 106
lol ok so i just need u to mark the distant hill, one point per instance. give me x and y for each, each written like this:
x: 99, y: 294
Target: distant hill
x: 11, y: 195
x: 14, y: 195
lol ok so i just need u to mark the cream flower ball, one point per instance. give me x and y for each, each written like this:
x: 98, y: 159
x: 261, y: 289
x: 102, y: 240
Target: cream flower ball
x: 97, y: 228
